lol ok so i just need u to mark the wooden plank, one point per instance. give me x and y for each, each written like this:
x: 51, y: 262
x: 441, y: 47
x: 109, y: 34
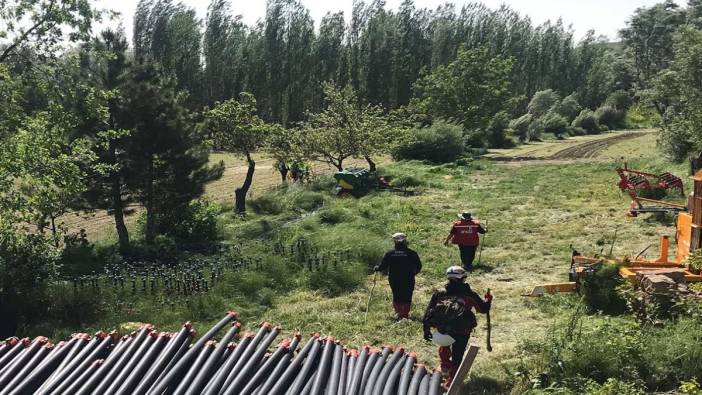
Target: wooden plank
x: 463, y: 370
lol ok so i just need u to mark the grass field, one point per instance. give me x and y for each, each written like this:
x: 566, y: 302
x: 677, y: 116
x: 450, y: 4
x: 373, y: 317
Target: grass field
x: 534, y: 210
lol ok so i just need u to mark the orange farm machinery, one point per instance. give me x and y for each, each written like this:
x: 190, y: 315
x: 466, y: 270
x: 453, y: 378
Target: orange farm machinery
x: 688, y: 237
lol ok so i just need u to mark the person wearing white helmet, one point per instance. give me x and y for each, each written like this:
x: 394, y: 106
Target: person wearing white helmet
x: 402, y: 265
x: 449, y: 319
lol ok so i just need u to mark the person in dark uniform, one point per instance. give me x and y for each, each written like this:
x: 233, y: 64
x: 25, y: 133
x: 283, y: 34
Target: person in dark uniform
x: 402, y: 265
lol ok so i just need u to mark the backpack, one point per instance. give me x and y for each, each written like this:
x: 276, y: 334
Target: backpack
x: 451, y: 315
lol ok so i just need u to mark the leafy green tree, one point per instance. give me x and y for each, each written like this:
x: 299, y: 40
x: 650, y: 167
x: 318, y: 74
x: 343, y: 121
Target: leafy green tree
x: 520, y: 127
x: 470, y: 90
x: 648, y: 36
x: 542, y: 102
x: 555, y: 123
x: 677, y: 91
x: 223, y: 52
x: 47, y: 22
x: 167, y: 159
x: 587, y: 121
x: 346, y: 129
x: 236, y: 128
x: 568, y: 108
x: 103, y: 65
x: 285, y: 145
x: 170, y: 34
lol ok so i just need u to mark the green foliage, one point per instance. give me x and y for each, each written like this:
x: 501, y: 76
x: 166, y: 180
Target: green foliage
x: 497, y: 131
x: 648, y: 35
x: 27, y: 263
x: 334, y: 281
x: 587, y: 121
x: 641, y: 115
x: 555, y: 123
x: 676, y: 93
x: 346, y: 129
x: 542, y: 102
x: 610, y: 117
x: 235, y: 127
x: 192, y: 224
x: 41, y: 26
x: 600, y: 290
x: 568, y: 108
x: 422, y: 144
x: 486, y: 77
x: 333, y: 216
x: 266, y: 204
x: 619, y: 100
x: 308, y: 200
x: 520, y: 126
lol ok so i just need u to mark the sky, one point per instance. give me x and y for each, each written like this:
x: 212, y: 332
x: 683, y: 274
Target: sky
x: 606, y: 17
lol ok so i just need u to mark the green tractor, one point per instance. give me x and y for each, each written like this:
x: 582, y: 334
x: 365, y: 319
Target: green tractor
x: 357, y: 182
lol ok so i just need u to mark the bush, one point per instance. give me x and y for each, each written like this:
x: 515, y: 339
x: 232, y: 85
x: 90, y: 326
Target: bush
x: 439, y: 143
x: 568, y: 108
x: 334, y: 216
x: 27, y: 263
x: 610, y: 117
x: 408, y: 181
x: 587, y: 121
x: 600, y: 290
x: 641, y: 116
x: 542, y: 102
x: 192, y: 223
x: 536, y: 127
x: 497, y: 131
x: 555, y: 123
x: 307, y: 200
x: 619, y: 100
x: 269, y: 203
x: 520, y: 126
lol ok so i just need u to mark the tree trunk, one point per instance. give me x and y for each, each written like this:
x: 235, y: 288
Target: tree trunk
x: 118, y: 213
x: 150, y: 233
x: 371, y: 164
x: 54, y: 232
x: 240, y: 193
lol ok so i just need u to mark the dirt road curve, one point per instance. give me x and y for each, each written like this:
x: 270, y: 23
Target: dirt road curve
x: 584, y: 150
x: 592, y: 148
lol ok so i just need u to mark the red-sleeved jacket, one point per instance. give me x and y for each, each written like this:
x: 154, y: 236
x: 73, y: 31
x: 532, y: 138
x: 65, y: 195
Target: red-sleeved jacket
x: 462, y: 290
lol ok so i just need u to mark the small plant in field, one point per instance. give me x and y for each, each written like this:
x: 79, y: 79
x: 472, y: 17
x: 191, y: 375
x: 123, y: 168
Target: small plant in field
x: 691, y: 387
x: 695, y: 261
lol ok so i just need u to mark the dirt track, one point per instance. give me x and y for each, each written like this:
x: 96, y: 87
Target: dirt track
x: 585, y: 150
x: 592, y: 148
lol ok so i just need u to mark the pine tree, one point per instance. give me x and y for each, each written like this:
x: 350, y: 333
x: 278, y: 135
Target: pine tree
x: 167, y: 159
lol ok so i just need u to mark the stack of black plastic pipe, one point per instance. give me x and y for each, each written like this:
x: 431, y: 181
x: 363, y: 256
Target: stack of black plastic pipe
x: 147, y: 362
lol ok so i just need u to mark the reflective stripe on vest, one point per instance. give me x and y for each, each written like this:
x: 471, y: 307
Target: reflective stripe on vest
x: 466, y: 233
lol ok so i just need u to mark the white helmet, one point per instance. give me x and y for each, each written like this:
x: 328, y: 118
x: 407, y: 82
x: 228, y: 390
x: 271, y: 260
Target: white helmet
x: 399, y: 237
x: 456, y: 273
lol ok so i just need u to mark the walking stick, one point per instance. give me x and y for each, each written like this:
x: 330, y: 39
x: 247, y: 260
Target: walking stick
x: 489, y: 328
x: 480, y: 254
x: 370, y: 296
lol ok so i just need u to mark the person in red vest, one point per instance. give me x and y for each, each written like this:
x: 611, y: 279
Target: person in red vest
x: 465, y: 234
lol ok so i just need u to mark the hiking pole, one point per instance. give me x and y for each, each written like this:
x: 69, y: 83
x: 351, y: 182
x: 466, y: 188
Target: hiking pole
x: 480, y: 254
x: 489, y: 328
x: 370, y: 296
